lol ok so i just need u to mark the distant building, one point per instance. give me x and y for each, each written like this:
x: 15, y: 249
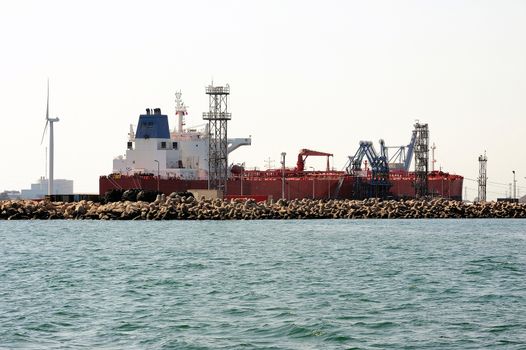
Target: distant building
x: 39, y: 189
x: 6, y: 195
x: 522, y: 199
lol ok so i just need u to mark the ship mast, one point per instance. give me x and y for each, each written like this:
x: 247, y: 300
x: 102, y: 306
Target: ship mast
x: 180, y: 111
x: 433, y: 160
x: 131, y: 134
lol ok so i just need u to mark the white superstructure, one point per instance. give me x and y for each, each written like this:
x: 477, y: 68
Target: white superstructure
x: 153, y: 149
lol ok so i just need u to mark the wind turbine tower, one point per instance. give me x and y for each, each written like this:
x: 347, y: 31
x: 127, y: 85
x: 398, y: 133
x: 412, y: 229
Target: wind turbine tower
x: 49, y: 121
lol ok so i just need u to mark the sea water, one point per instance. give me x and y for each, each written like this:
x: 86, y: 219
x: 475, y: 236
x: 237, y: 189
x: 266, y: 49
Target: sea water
x: 320, y: 284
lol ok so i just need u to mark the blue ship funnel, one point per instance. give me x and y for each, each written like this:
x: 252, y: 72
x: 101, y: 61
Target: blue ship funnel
x: 153, y: 125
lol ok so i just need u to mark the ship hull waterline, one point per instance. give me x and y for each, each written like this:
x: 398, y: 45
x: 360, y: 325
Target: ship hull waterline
x: 332, y: 187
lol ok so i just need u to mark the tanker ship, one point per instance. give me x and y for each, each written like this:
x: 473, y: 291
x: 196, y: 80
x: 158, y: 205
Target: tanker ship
x: 160, y: 159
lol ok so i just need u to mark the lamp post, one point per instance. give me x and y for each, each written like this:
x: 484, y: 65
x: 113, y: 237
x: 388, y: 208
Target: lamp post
x: 313, y: 179
x: 241, y: 189
x: 283, y: 154
x: 514, y: 185
x: 158, y: 174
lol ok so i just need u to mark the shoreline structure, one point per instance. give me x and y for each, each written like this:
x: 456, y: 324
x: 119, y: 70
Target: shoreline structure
x: 177, y: 207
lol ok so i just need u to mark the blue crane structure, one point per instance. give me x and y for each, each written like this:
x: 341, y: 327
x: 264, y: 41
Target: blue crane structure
x: 381, y: 165
x: 379, y: 184
x: 403, y: 156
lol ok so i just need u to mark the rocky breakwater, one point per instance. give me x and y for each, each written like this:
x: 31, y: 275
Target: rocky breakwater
x: 176, y: 207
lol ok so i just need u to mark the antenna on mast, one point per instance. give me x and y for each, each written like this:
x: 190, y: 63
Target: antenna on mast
x: 180, y: 111
x: 131, y: 134
x: 269, y: 162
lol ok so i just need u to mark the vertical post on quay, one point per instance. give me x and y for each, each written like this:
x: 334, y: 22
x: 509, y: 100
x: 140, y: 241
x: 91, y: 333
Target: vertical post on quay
x: 283, y: 154
x: 158, y: 174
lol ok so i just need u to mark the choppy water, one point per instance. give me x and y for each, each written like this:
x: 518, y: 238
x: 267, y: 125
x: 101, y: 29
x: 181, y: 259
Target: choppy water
x: 428, y: 284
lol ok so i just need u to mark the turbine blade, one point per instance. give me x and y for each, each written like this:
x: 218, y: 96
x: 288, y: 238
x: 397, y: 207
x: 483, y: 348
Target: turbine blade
x: 47, y: 104
x: 44, y: 133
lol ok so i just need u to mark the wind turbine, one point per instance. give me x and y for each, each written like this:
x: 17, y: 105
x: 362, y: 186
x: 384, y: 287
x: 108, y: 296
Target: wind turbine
x: 49, y: 121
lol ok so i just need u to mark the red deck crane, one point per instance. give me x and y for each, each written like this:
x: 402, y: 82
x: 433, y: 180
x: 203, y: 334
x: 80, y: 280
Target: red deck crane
x: 304, y: 153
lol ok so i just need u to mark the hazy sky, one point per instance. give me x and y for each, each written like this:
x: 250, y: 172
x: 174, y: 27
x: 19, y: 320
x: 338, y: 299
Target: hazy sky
x: 303, y: 74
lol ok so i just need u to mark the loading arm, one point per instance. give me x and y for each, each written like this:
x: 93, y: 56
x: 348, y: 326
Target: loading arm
x: 234, y: 144
x: 410, y: 150
x: 378, y: 161
x: 355, y: 162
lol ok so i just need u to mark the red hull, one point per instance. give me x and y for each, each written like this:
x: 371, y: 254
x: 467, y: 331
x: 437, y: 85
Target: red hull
x: 439, y: 185
x: 319, y: 185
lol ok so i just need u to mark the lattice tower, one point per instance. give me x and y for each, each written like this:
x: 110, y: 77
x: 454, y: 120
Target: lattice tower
x: 421, y: 159
x: 217, y: 117
x: 482, y: 180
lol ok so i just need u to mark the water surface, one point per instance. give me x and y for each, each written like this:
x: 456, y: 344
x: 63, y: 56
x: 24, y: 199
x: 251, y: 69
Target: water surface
x: 323, y: 284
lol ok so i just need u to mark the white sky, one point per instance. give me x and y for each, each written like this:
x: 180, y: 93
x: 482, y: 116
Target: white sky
x: 303, y: 74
